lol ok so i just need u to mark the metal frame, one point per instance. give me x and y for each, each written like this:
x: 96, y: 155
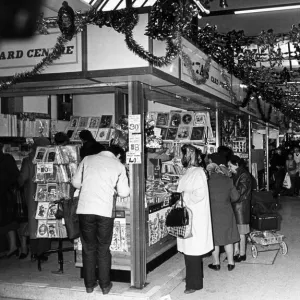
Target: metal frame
x: 137, y: 105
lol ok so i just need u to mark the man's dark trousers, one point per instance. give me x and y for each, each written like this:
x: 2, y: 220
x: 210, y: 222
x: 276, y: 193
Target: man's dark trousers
x: 96, y: 235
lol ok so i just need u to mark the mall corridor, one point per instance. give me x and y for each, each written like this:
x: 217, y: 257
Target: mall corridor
x: 270, y: 276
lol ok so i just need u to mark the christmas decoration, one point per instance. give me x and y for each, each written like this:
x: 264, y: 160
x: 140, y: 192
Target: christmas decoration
x: 65, y: 21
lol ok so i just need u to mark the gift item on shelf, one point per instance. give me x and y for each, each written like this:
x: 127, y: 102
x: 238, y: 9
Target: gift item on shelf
x: 171, y: 134
x: 42, y: 210
x: 40, y: 154
x: 94, y: 123
x: 200, y: 119
x: 187, y: 118
x: 42, y: 229
x: 184, y: 133
x: 52, y: 209
x: 198, y: 133
x: 84, y: 122
x: 151, y: 118
x: 119, y: 238
x: 106, y: 121
x: 52, y: 229
x: 162, y: 119
x: 103, y: 134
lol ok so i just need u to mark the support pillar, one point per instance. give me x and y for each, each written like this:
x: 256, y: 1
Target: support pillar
x: 267, y: 158
x: 250, y: 144
x: 137, y: 105
x: 217, y: 129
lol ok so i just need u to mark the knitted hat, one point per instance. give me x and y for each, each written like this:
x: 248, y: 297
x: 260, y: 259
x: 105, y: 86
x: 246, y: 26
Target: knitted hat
x: 217, y: 158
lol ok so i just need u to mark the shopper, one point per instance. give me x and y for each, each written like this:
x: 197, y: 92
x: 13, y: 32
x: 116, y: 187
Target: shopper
x: 242, y: 180
x: 194, y: 186
x: 61, y: 139
x: 291, y: 169
x: 297, y: 176
x: 222, y: 192
x: 8, y: 179
x: 89, y: 144
x: 99, y: 176
x: 38, y: 246
x: 278, y: 170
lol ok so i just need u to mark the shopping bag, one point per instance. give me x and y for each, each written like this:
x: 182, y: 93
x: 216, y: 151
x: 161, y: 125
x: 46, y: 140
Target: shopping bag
x: 287, y: 181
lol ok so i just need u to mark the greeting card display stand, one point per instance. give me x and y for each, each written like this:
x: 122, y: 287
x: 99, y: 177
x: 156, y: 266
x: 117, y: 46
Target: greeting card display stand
x: 55, y: 166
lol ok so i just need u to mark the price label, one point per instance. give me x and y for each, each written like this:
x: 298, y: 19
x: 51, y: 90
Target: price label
x: 135, y: 143
x: 133, y: 159
x: 134, y: 123
x: 44, y: 168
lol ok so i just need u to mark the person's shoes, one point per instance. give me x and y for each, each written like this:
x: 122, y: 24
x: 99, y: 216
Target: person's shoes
x: 230, y: 267
x: 189, y: 291
x: 106, y: 290
x: 33, y: 257
x: 15, y: 252
x: 91, y: 289
x: 23, y: 255
x: 240, y: 258
x: 214, y: 267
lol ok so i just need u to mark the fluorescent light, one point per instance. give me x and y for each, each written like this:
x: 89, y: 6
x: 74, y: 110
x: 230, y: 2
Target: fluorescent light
x: 258, y: 10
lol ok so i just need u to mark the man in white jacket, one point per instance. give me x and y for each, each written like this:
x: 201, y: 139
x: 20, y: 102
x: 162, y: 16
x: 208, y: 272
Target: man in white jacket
x: 100, y: 177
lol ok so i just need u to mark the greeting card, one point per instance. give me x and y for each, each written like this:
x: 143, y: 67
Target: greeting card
x: 184, y: 133
x: 171, y: 133
x: 151, y: 118
x: 40, y: 154
x: 106, y: 121
x: 52, y: 192
x: 175, y: 119
x: 42, y: 210
x: 94, y: 122
x: 198, y: 133
x: 187, y: 118
x: 84, y: 122
x: 52, y: 209
x: 162, y: 119
x: 52, y: 229
x: 41, y: 192
x: 42, y: 229
x: 103, y: 134
x: 200, y: 119
x: 74, y: 122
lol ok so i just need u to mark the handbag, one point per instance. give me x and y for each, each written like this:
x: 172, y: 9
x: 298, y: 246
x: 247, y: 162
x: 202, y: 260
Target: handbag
x: 179, y: 220
x: 70, y: 215
x: 71, y: 218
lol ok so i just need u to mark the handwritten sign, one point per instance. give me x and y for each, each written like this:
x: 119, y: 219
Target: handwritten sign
x: 134, y: 123
x: 135, y: 143
x: 133, y: 158
x: 44, y: 168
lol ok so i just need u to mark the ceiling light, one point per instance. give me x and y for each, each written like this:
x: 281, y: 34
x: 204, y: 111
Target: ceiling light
x: 266, y: 9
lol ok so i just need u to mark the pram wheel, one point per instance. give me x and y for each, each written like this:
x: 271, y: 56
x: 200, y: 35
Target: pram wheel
x: 254, y: 251
x: 283, y: 248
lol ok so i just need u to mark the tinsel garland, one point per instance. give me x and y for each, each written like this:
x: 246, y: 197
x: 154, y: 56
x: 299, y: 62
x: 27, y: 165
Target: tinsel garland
x: 189, y: 65
x: 37, y: 69
x: 267, y: 117
x: 229, y: 86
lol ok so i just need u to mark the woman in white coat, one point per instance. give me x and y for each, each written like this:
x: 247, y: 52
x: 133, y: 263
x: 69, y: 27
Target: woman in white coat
x: 194, y: 186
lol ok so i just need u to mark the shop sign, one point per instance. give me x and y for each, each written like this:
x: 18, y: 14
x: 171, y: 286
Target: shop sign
x: 44, y: 168
x: 135, y: 143
x: 216, y: 83
x: 134, y: 123
x: 29, y: 52
x: 133, y: 158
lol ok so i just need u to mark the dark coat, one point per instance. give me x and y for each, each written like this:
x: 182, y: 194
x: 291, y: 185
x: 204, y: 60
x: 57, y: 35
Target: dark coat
x: 9, y: 173
x: 222, y: 192
x: 26, y: 180
x: 242, y: 208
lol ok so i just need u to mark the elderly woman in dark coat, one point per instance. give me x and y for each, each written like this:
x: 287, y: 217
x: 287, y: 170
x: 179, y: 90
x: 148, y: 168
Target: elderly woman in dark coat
x: 37, y: 246
x: 222, y: 192
x: 242, y: 180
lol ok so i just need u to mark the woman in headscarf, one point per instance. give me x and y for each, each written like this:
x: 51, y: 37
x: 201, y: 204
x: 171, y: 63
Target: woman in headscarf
x: 37, y: 246
x: 222, y: 192
x: 193, y: 185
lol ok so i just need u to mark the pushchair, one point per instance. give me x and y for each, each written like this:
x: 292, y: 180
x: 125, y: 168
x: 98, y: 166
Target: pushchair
x: 265, y: 223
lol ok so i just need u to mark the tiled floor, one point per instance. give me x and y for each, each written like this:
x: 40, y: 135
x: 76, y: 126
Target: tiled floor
x: 271, y: 276
x: 261, y: 280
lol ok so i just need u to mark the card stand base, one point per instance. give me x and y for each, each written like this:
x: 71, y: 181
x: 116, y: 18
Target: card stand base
x: 60, y: 250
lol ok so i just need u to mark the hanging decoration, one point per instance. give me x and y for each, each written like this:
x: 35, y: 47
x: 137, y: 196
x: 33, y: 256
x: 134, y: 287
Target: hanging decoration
x: 66, y: 21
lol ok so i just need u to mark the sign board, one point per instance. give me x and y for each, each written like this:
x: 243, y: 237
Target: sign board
x: 44, y: 168
x: 134, y: 123
x: 133, y: 158
x: 29, y: 52
x: 135, y: 143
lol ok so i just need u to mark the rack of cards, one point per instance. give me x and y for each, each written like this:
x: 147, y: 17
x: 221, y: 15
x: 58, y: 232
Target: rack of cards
x: 55, y: 167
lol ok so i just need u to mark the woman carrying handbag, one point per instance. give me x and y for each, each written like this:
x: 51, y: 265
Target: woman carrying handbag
x: 194, y: 186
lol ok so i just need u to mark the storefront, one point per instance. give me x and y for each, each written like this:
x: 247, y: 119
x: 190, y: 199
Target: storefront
x: 105, y: 79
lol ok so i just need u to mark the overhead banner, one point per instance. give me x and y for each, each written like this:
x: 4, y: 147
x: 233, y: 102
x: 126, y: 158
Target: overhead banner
x: 220, y: 83
x: 29, y: 52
